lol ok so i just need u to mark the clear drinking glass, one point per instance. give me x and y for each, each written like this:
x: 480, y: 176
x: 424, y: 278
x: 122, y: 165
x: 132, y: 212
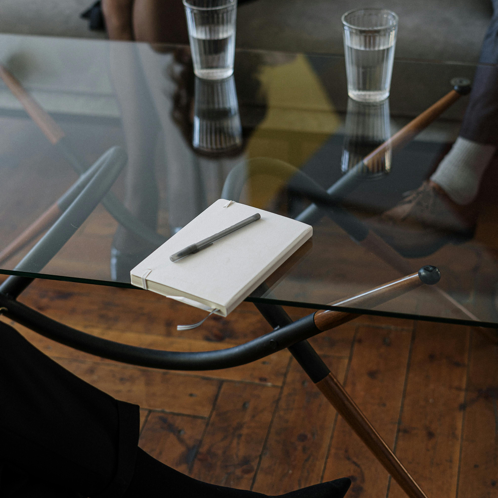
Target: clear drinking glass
x: 367, y: 127
x: 369, y: 42
x: 211, y: 28
x: 217, y: 126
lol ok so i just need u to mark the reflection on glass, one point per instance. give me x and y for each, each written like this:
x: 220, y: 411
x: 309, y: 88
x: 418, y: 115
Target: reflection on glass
x: 217, y: 125
x: 367, y: 127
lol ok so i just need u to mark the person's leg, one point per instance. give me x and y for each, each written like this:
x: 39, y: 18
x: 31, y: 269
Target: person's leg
x: 141, y: 128
x: 460, y: 172
x: 160, y: 21
x: 184, y: 195
x: 118, y: 19
x: 443, y: 210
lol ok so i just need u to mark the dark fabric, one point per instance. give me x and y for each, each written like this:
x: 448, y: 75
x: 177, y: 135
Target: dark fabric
x: 480, y: 123
x: 58, y: 429
x: 18, y: 484
x: 152, y: 479
x: 95, y: 17
x: 489, y: 49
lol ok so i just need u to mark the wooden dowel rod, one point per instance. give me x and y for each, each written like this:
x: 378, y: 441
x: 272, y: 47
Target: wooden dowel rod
x: 412, y: 128
x: 46, y: 220
x: 47, y: 125
x: 326, y: 319
x: 384, y: 251
x: 348, y: 409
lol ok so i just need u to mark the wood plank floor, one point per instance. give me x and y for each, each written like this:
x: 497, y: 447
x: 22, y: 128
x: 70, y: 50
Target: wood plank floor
x: 431, y: 391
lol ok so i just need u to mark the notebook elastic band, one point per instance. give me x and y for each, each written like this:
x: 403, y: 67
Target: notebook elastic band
x: 145, y: 274
x: 195, y: 325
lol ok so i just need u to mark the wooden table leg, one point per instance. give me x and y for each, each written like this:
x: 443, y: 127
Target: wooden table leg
x: 331, y: 388
x: 347, y: 408
x: 338, y: 397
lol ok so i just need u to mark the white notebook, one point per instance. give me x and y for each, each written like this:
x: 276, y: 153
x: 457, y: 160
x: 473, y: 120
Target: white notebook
x: 221, y: 276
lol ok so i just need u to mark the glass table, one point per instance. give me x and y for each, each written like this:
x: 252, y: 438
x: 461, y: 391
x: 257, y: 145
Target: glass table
x: 280, y: 135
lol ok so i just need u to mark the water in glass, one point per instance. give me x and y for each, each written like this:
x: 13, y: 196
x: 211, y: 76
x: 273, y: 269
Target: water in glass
x: 369, y: 68
x: 213, y: 50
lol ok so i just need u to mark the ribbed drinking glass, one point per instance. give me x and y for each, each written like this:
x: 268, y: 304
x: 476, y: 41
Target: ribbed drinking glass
x: 369, y: 43
x: 211, y: 28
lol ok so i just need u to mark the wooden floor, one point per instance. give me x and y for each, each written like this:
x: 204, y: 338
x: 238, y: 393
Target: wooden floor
x: 431, y: 391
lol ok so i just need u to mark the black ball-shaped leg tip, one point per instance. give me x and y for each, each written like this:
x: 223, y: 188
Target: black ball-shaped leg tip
x: 461, y: 85
x: 429, y: 275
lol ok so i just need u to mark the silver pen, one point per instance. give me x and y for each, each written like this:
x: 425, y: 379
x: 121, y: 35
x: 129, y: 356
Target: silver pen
x: 199, y: 246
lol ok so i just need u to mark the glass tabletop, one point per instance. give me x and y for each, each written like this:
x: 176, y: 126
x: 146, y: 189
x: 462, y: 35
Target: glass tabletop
x: 280, y: 127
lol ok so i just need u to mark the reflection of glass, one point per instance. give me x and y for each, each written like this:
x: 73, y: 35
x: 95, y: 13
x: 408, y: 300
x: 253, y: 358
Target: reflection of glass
x: 217, y: 125
x: 367, y: 127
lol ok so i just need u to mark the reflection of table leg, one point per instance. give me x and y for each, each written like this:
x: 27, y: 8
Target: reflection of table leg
x: 54, y: 212
x: 57, y: 137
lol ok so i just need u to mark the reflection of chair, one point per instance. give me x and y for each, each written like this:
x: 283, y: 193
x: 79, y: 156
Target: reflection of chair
x: 57, y: 137
x: 73, y: 207
x: 329, y: 201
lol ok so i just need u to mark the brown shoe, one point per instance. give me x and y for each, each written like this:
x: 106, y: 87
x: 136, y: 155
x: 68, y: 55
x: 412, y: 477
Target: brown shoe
x: 425, y: 221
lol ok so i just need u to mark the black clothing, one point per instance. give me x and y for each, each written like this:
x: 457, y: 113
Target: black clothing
x: 58, y: 429
x: 62, y: 438
x: 480, y: 123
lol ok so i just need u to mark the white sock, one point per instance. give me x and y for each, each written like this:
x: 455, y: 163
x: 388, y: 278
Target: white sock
x: 460, y: 172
